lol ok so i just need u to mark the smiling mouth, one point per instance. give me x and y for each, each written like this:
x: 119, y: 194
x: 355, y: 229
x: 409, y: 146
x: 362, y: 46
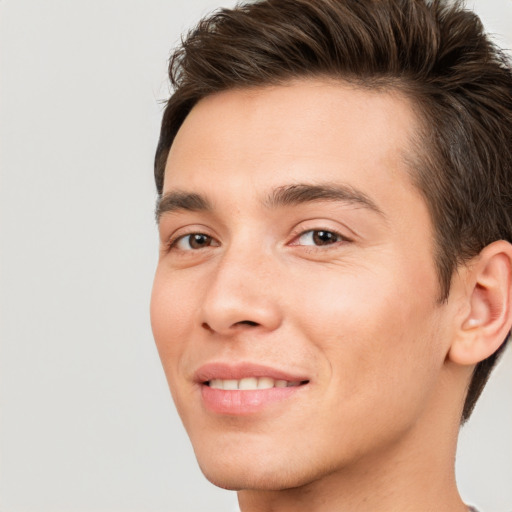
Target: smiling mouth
x: 252, y: 383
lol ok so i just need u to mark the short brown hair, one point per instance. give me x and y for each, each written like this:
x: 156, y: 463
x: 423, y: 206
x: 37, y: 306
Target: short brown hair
x: 436, y: 52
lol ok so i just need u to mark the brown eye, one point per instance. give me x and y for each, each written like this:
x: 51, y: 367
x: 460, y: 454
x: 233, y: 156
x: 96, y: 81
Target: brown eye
x: 319, y: 237
x: 193, y: 241
x: 325, y: 237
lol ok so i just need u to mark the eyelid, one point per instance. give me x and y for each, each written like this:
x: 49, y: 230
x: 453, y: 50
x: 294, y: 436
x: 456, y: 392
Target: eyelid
x: 304, y: 228
x: 169, y: 240
x: 174, y: 243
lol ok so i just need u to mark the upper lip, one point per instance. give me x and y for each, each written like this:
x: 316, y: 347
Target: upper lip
x: 224, y: 371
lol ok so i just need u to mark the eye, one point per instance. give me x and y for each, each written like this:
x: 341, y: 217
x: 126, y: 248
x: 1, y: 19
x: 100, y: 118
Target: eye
x: 193, y: 241
x: 319, y: 237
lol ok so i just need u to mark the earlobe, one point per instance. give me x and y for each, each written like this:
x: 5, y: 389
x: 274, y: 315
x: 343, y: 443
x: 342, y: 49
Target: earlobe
x: 489, y: 296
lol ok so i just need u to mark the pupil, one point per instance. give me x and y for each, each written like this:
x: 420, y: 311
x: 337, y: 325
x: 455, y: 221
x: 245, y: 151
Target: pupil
x: 198, y: 241
x: 323, y: 237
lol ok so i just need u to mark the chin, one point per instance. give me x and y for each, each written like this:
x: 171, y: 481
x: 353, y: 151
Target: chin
x: 239, y: 462
x: 266, y: 470
x: 251, y: 478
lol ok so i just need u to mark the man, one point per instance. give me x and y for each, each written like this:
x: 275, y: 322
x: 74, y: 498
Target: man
x: 334, y: 281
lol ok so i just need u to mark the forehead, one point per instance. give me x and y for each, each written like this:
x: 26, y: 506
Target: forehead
x: 304, y: 131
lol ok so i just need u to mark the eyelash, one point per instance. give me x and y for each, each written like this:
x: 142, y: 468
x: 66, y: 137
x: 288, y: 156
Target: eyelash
x: 339, y: 238
x: 174, y: 241
x: 336, y: 238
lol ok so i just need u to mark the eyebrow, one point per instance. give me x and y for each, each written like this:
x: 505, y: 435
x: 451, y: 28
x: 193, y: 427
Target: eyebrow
x: 290, y: 195
x: 181, y: 201
x: 287, y: 195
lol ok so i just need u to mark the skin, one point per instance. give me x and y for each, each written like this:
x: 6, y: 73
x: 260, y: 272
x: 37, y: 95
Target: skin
x: 375, y: 428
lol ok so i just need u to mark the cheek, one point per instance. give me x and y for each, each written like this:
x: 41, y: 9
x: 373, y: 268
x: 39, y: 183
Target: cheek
x: 378, y: 335
x: 171, y: 313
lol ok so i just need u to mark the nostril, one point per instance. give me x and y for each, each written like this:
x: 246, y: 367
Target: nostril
x: 249, y: 323
x: 204, y: 325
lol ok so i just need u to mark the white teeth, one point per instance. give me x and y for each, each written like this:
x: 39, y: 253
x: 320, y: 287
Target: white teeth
x: 251, y: 383
x: 231, y: 384
x: 265, y: 383
x: 217, y: 384
x: 248, y: 383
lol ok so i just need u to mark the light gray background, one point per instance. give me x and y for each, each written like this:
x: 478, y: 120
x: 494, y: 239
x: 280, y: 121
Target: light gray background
x: 86, y: 419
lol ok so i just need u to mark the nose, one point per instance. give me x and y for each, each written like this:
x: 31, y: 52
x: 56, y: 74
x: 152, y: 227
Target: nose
x: 242, y: 294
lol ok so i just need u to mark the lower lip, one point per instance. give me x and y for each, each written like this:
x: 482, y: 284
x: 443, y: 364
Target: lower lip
x: 237, y: 402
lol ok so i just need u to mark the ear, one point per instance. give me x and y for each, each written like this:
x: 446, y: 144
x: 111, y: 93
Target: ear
x: 489, y: 296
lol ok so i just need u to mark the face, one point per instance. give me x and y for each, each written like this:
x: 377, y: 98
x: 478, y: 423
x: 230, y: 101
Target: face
x: 294, y: 304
